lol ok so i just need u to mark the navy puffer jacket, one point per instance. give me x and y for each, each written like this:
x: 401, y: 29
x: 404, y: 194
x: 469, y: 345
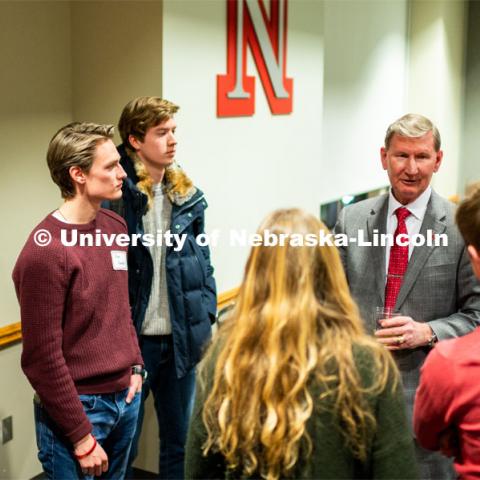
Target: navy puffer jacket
x: 190, y: 283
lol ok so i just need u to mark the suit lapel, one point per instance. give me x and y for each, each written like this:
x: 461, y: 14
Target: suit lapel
x: 377, y: 222
x: 433, y: 220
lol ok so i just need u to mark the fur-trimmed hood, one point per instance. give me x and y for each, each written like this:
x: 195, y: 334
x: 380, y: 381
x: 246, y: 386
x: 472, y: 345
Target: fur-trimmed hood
x: 177, y: 185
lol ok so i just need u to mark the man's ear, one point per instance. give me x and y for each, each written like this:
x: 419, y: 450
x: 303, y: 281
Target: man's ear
x: 133, y: 141
x: 77, y: 175
x: 383, y: 157
x: 438, y: 160
x: 475, y: 259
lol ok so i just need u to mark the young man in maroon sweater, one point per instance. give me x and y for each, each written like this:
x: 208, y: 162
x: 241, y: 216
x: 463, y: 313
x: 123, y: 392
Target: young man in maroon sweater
x: 80, y: 350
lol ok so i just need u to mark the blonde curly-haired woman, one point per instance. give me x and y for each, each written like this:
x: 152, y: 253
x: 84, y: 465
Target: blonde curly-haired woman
x: 292, y: 387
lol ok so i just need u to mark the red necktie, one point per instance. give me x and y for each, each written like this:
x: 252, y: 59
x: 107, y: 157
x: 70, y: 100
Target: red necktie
x: 398, y: 262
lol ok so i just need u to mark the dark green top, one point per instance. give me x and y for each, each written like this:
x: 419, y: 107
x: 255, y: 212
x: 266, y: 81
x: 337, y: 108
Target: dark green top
x: 390, y: 445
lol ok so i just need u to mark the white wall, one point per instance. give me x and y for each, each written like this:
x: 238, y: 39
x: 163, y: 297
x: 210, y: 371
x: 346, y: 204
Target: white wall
x: 470, y: 164
x: 116, y: 56
x: 35, y: 99
x: 347, y: 60
x: 18, y: 458
x: 436, y: 78
x: 365, y: 74
x: 251, y: 165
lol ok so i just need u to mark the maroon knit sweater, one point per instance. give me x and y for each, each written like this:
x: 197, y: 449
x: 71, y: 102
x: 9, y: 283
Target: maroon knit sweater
x: 78, y: 335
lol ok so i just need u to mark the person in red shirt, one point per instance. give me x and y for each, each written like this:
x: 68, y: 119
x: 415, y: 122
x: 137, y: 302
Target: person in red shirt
x: 80, y: 350
x: 447, y: 403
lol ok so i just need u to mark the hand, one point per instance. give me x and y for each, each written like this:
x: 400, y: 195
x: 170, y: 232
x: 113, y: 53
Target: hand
x: 136, y: 382
x: 400, y: 333
x: 96, y: 462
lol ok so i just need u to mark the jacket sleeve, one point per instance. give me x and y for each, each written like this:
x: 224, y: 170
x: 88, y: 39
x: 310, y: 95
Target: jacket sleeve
x: 138, y: 355
x: 210, y: 286
x: 133, y: 332
x: 41, y: 282
x: 392, y: 450
x: 433, y: 400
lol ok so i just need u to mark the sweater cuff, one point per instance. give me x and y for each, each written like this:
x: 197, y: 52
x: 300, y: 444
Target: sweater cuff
x: 80, y: 431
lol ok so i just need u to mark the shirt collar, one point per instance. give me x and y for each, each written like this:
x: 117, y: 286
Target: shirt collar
x: 417, y: 208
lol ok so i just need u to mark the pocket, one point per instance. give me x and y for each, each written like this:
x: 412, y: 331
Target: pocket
x: 136, y: 396
x: 200, y: 260
x: 200, y: 334
x: 88, y: 402
x: 192, y: 269
x: 136, y: 401
x: 38, y: 414
x: 45, y: 439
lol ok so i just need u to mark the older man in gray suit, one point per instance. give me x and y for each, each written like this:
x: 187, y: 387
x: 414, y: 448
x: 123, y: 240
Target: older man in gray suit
x: 432, y: 287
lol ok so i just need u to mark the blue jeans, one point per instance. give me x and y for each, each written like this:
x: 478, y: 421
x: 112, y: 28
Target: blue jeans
x: 173, y: 399
x: 113, y: 422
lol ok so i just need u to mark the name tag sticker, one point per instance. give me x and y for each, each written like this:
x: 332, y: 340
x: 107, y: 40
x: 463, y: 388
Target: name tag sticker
x: 119, y: 260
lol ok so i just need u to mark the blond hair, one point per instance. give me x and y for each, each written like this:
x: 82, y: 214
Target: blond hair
x: 294, y: 320
x: 413, y: 125
x: 74, y: 145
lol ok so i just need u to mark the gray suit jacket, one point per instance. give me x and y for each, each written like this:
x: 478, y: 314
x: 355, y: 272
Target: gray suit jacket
x: 438, y: 287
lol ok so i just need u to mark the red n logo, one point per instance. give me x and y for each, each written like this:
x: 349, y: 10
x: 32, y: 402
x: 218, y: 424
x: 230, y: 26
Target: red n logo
x: 247, y: 22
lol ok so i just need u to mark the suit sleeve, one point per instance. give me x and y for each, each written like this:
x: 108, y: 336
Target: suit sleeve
x: 210, y: 286
x: 433, y: 400
x: 467, y: 316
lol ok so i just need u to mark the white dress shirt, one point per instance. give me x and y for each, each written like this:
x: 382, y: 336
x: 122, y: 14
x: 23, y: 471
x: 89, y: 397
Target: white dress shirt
x: 413, y: 222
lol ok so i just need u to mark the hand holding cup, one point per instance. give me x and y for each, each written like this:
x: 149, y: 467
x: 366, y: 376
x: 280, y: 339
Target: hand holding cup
x: 385, y: 313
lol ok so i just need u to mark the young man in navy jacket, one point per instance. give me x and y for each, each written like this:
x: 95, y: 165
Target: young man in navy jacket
x: 172, y: 289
